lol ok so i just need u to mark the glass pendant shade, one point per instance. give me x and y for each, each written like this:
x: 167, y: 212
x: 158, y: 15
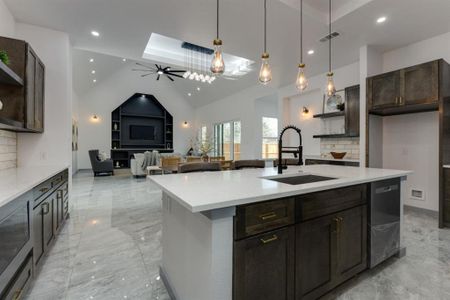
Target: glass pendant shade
x: 265, y: 74
x: 331, y: 88
x: 301, y: 82
x: 217, y: 64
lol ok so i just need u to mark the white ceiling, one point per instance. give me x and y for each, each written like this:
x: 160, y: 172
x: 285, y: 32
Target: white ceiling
x: 125, y: 28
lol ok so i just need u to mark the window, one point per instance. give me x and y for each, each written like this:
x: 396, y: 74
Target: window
x: 203, y: 134
x: 269, y: 137
x: 227, y: 137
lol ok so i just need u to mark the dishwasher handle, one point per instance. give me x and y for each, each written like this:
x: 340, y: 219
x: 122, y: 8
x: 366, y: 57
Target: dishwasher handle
x: 386, y: 189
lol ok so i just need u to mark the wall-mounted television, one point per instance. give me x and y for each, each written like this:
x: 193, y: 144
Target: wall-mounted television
x: 141, y: 132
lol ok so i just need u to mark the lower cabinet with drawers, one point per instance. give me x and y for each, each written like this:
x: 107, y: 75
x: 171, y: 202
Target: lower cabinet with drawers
x: 300, y: 247
x: 32, y: 226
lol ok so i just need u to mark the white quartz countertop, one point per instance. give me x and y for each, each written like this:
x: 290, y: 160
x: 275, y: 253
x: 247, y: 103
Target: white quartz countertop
x: 214, y: 190
x: 18, y: 181
x: 318, y: 157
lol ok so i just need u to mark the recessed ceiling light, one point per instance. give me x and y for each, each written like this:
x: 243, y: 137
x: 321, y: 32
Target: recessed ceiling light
x: 94, y: 81
x: 93, y: 72
x: 91, y: 60
x: 311, y: 52
x: 124, y: 60
x: 95, y: 33
x: 189, y: 94
x: 198, y: 88
x: 381, y: 20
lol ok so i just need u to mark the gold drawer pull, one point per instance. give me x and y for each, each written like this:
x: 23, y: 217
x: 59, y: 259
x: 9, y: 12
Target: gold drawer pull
x: 17, y: 295
x: 43, y: 190
x: 268, y: 216
x: 268, y: 240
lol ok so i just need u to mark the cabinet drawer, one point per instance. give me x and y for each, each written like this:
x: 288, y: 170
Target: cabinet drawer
x: 41, y: 190
x: 21, y: 282
x: 261, y: 217
x: 320, y: 204
x: 57, y: 180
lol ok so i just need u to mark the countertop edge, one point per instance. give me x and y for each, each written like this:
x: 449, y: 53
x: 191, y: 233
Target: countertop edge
x: 243, y: 201
x: 23, y: 190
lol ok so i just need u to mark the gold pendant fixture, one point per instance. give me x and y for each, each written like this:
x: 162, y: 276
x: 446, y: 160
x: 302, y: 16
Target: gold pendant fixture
x: 302, y: 82
x: 217, y: 64
x: 330, y: 88
x: 265, y: 73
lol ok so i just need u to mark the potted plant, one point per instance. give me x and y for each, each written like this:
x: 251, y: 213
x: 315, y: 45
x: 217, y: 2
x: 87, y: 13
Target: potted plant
x: 4, y: 57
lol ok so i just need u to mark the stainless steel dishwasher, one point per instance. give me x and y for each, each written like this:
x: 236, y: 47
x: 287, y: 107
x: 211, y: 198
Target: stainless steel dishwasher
x: 384, y: 220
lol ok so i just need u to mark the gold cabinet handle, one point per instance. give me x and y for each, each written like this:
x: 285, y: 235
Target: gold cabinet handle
x: 17, y: 294
x: 400, y: 100
x: 336, y: 224
x: 268, y: 216
x: 45, y: 208
x: 43, y: 190
x: 269, y: 240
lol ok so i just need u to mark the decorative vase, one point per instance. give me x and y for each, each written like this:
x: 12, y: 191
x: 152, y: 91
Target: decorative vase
x: 117, y: 165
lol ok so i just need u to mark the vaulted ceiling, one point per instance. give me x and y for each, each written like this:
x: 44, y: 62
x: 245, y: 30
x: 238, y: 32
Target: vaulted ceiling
x: 125, y: 27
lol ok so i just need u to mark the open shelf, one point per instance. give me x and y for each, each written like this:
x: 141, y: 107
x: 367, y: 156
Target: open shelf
x: 335, y: 136
x: 7, y: 76
x: 330, y: 115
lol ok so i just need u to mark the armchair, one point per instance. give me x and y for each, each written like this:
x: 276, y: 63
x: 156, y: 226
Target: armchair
x: 100, y: 167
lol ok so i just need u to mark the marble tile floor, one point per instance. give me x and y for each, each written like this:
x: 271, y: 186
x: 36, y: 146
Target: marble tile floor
x: 110, y: 249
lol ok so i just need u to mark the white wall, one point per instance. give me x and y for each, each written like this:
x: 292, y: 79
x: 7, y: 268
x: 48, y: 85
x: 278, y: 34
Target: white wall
x: 264, y: 107
x: 53, y: 146
x: 75, y: 116
x: 7, y: 22
x: 410, y: 143
x: 240, y: 106
x: 110, y: 93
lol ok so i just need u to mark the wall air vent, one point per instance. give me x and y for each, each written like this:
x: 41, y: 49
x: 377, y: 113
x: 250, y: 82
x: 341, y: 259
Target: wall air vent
x: 417, y: 194
x: 329, y: 37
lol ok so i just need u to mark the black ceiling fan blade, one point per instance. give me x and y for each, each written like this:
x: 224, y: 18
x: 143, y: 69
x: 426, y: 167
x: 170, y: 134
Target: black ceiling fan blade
x: 145, y: 66
x: 142, y: 70
x: 177, y: 71
x: 175, y: 75
x: 171, y: 79
x: 159, y: 75
x: 145, y: 75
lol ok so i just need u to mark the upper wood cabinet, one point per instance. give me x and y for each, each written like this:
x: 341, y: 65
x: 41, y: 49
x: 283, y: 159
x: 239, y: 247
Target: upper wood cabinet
x: 23, y: 106
x: 413, y: 89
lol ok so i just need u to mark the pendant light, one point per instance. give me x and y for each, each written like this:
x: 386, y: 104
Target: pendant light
x: 330, y: 88
x: 301, y: 82
x: 265, y: 74
x: 217, y: 64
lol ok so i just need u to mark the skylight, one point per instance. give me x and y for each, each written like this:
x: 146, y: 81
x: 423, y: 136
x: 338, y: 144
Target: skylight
x: 170, y: 51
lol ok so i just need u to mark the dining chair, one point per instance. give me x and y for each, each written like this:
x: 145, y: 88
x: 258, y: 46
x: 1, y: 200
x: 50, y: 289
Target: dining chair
x: 191, y: 159
x: 216, y: 158
x: 169, y: 164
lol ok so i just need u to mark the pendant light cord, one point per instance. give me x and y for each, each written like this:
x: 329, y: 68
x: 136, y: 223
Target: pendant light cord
x: 301, y: 31
x: 265, y: 26
x: 329, y: 36
x: 217, y: 13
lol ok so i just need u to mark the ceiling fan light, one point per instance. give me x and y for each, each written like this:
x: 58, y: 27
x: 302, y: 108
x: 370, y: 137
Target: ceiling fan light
x: 186, y: 74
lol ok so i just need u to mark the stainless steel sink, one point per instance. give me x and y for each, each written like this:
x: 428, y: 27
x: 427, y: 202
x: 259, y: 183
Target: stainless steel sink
x: 295, y: 180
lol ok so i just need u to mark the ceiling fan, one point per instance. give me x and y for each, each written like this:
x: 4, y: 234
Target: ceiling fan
x: 159, y: 70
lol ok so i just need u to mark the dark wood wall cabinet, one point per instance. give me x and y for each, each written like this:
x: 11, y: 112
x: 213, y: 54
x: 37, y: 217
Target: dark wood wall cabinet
x: 22, y: 88
x: 32, y: 223
x: 409, y: 90
x: 351, y: 114
x: 300, y: 247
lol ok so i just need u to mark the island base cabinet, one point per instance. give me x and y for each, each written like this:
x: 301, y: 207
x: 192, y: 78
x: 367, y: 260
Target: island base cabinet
x: 264, y: 266
x: 329, y: 251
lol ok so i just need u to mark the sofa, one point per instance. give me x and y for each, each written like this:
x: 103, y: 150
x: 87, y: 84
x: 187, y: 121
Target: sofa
x: 99, y: 166
x: 137, y: 162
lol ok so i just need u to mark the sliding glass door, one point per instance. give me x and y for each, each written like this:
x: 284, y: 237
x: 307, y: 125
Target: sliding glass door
x: 227, y: 137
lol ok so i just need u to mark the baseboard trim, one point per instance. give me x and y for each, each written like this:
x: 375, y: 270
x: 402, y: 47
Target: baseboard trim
x: 165, y: 280
x: 428, y: 212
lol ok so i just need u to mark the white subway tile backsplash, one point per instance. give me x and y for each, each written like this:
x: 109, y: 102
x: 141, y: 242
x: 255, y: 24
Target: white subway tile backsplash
x: 349, y: 145
x: 8, y: 150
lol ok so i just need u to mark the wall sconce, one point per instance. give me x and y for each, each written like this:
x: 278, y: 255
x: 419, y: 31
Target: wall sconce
x: 95, y: 119
x: 185, y: 124
x: 305, y: 110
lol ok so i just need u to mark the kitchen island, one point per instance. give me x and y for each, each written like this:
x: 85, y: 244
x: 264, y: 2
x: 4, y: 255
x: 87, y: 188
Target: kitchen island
x: 254, y: 234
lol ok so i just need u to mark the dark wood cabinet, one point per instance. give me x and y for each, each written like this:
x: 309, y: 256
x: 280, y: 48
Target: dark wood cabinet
x: 264, y: 266
x: 412, y: 89
x: 384, y: 90
x: 420, y: 84
x: 446, y: 202
x: 352, y: 110
x: 309, y: 162
x: 38, y: 242
x: 329, y: 251
x: 23, y: 104
x: 315, y: 248
x: 47, y: 221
